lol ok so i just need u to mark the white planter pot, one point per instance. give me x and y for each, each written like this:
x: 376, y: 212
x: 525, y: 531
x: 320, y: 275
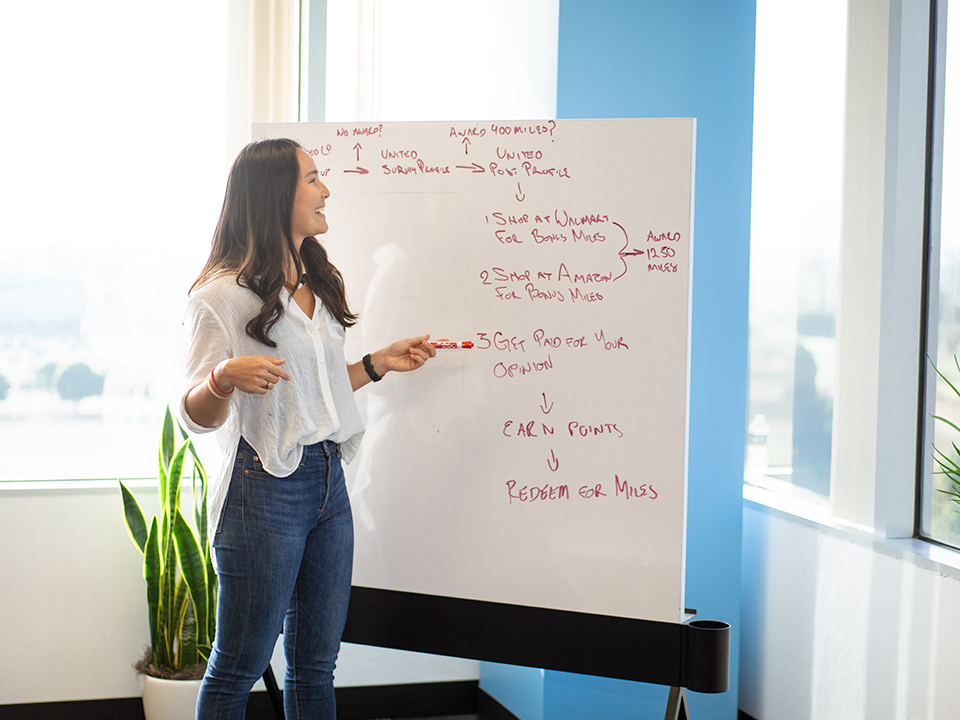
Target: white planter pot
x: 169, y: 699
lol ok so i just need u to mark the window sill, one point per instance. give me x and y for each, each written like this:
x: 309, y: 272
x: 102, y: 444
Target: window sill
x: 816, y: 516
x: 32, y: 487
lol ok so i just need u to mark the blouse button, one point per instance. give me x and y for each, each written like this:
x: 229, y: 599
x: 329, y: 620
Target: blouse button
x: 313, y: 332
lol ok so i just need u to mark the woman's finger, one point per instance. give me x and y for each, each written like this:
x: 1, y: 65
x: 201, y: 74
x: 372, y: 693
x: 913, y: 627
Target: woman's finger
x: 277, y: 370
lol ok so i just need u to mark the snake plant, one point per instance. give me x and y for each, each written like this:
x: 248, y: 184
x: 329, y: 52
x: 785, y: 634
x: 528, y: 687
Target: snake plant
x: 177, y: 564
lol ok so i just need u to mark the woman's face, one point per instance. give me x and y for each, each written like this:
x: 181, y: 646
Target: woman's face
x: 308, y: 203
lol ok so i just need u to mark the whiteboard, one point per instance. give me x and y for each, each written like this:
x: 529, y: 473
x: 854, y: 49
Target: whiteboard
x: 546, y: 466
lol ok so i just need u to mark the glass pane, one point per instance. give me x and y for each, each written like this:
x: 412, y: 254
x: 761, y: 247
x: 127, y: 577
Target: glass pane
x: 794, y: 252
x: 944, y: 520
x: 114, y: 121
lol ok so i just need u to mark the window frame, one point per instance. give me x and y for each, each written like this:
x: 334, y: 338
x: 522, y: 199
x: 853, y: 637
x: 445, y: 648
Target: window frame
x: 886, y: 306
x: 926, y: 465
x: 879, y: 323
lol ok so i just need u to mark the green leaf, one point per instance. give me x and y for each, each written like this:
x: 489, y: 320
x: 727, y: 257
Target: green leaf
x: 203, y: 652
x: 944, y: 377
x: 213, y: 589
x: 183, y: 632
x: 200, y: 503
x: 162, y: 479
x: 168, y: 439
x: 948, y: 422
x: 194, y: 571
x: 152, y: 572
x: 183, y: 433
x: 947, y: 466
x: 170, y: 610
x: 133, y: 518
x: 187, y: 654
x: 168, y: 586
x: 172, y: 506
x: 193, y: 452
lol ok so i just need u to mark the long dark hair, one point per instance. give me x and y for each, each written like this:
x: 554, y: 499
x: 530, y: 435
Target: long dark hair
x: 254, y: 236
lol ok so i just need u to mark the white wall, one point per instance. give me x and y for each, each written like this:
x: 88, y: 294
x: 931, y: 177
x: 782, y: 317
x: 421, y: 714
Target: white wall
x: 73, y: 606
x: 835, y: 628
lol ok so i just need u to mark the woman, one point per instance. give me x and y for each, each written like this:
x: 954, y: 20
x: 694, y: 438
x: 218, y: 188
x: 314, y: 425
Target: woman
x: 266, y: 368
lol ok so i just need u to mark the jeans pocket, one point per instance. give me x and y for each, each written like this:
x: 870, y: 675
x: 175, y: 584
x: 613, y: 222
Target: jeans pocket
x: 253, y: 467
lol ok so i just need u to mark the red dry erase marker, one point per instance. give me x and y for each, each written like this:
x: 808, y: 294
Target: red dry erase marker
x: 447, y: 345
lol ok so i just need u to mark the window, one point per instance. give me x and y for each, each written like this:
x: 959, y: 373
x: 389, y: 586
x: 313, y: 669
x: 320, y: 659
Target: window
x: 121, y: 121
x: 116, y: 127
x: 386, y: 60
x: 837, y: 258
x: 940, y: 519
x: 795, y: 240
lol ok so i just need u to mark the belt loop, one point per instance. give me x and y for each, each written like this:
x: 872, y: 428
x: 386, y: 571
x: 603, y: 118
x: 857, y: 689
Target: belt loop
x: 330, y: 447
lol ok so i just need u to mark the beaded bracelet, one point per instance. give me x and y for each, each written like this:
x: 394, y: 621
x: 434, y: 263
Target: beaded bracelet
x: 215, y: 389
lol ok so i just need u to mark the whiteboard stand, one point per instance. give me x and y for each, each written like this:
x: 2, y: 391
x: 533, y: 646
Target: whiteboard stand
x: 677, y: 705
x: 690, y: 655
x: 562, y: 250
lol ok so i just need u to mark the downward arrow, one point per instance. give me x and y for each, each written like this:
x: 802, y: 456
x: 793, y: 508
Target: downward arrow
x: 552, y: 462
x: 546, y: 410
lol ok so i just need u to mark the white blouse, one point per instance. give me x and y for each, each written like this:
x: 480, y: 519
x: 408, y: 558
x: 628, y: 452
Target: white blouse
x: 316, y: 404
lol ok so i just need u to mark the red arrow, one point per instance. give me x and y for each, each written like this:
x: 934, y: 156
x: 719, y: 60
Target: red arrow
x: 553, y: 463
x: 359, y: 171
x: 520, y: 197
x: 475, y: 168
x: 466, y: 146
x: 546, y: 410
x: 358, y: 147
x: 630, y: 253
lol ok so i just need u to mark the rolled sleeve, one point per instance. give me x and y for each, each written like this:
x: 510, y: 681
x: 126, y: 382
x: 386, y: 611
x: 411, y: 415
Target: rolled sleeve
x: 208, y: 345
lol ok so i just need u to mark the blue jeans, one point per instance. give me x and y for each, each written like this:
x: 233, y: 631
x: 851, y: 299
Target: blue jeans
x: 284, y: 552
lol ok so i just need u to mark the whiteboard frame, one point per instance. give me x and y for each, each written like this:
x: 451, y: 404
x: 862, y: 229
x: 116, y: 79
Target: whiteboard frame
x: 297, y: 131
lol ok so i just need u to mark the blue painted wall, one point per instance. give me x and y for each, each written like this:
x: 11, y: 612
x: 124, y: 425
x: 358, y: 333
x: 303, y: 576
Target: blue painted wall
x: 682, y: 58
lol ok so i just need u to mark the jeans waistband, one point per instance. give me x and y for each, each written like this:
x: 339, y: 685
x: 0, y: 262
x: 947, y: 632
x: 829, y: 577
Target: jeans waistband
x: 324, y: 447
x: 327, y: 447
